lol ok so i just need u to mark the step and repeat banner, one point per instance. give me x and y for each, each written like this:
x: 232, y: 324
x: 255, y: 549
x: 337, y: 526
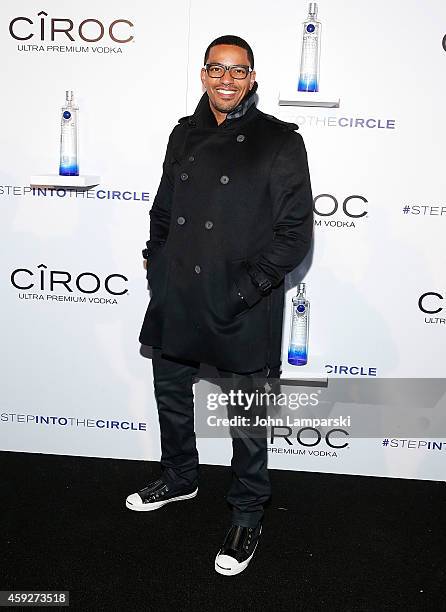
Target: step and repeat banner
x: 75, y: 378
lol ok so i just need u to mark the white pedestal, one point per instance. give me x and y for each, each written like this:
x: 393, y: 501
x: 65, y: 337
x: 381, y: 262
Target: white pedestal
x: 304, y: 378
x: 308, y: 98
x: 83, y: 181
x: 314, y: 371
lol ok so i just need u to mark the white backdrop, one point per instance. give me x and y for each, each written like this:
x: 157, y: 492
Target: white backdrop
x: 78, y: 364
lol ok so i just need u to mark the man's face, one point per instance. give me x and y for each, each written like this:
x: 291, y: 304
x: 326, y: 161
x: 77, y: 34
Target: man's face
x: 225, y: 93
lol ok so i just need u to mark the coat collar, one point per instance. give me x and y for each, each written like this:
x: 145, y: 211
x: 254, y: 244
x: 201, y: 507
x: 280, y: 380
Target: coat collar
x: 205, y: 118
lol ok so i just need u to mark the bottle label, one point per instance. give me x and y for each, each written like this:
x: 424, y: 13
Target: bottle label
x: 298, y: 348
x: 309, y: 66
x: 68, y: 145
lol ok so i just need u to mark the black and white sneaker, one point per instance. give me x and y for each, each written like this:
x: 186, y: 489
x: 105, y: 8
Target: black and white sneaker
x: 238, y: 549
x: 157, y: 494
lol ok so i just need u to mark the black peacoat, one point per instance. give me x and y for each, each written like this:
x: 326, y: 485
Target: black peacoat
x: 230, y: 195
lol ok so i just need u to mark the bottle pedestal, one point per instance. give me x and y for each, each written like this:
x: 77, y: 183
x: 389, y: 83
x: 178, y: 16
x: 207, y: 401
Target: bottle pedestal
x: 83, y: 181
x: 313, y: 370
x: 308, y: 98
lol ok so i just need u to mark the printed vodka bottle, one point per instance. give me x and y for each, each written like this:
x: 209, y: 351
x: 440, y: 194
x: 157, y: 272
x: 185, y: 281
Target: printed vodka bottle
x: 68, y: 138
x: 300, y: 315
x: 309, y: 61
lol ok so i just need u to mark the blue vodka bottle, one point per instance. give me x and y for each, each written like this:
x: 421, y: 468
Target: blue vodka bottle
x: 300, y: 317
x: 69, y: 165
x: 309, y: 61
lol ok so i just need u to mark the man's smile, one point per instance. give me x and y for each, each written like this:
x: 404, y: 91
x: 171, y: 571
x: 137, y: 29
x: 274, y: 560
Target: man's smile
x: 226, y: 93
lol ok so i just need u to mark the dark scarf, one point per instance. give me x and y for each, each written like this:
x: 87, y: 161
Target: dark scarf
x: 204, y: 117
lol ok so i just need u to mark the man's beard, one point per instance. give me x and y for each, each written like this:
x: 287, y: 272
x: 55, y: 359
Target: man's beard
x: 226, y: 110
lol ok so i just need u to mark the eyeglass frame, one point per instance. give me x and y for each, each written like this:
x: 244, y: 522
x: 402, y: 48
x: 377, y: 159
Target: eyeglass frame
x: 227, y: 69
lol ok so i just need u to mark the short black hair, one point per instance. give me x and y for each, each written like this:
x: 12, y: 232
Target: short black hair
x: 230, y: 39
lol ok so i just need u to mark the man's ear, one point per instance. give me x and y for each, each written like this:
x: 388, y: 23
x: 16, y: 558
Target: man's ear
x: 202, y: 77
x: 253, y: 78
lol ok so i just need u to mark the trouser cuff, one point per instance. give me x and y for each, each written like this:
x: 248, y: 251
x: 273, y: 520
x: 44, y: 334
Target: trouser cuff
x: 246, y: 519
x: 185, y: 479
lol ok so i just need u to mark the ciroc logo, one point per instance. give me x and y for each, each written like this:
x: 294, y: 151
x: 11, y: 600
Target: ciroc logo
x: 309, y: 437
x: 32, y: 284
x: 433, y: 303
x: 88, y: 30
x: 350, y: 209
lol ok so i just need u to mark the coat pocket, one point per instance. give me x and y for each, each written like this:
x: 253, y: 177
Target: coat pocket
x: 153, y: 265
x: 236, y: 305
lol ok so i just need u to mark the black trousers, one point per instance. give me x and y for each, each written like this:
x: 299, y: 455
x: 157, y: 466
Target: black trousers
x: 250, y: 486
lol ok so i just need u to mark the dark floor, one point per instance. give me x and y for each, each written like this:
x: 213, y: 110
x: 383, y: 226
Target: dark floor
x: 329, y: 542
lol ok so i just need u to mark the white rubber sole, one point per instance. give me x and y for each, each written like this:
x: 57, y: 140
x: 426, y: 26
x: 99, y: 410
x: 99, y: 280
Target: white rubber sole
x: 236, y: 569
x: 132, y: 502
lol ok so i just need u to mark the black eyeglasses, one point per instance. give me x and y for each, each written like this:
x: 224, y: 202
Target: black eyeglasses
x: 216, y: 71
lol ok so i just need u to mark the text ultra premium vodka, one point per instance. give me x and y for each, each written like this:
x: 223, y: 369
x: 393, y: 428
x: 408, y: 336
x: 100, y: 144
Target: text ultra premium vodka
x: 300, y: 317
x: 69, y: 165
x: 309, y: 61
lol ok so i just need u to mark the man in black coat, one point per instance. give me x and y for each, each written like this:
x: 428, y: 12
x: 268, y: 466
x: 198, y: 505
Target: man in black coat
x: 232, y: 216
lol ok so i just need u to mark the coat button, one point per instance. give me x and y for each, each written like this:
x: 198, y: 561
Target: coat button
x: 208, y: 225
x: 240, y: 138
x: 181, y: 220
x: 197, y: 269
x: 191, y: 158
x: 184, y: 176
x: 224, y: 180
